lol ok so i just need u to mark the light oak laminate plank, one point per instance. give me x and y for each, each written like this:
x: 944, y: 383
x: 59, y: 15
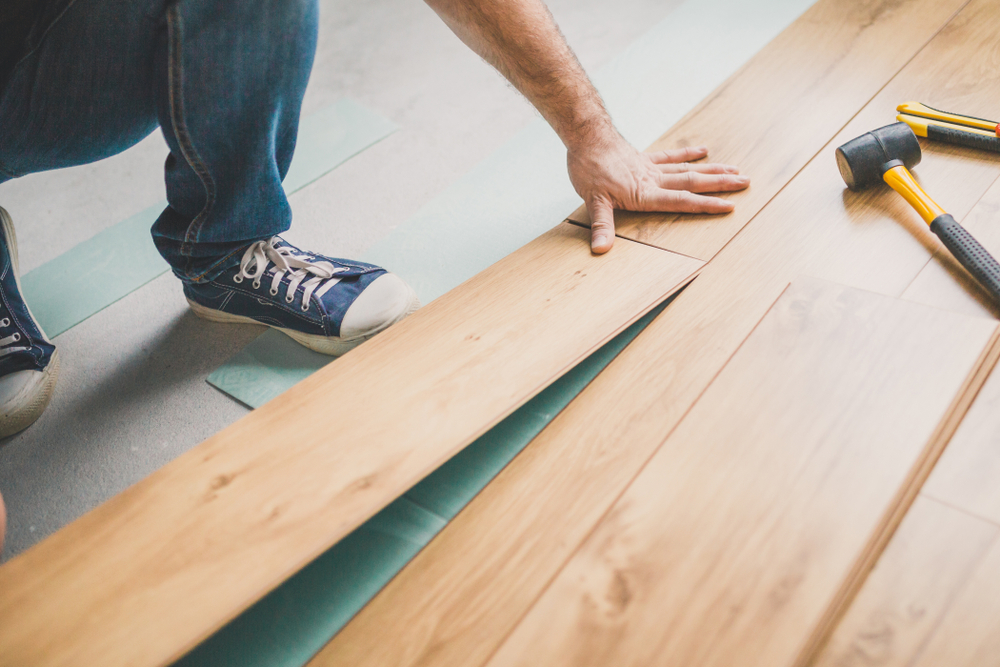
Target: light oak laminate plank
x: 779, y: 110
x: 969, y: 633
x: 925, y: 565
x: 968, y: 474
x: 940, y: 544
x: 458, y: 599
x: 142, y: 578
x: 730, y: 545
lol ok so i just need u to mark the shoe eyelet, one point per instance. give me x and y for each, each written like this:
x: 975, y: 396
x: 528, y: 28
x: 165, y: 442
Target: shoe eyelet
x: 274, y: 291
x: 289, y: 299
x: 237, y: 279
x: 5, y: 322
x: 16, y: 337
x: 256, y: 284
x: 305, y: 306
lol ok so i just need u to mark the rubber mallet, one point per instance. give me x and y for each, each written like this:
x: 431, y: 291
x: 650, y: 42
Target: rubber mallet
x: 886, y: 154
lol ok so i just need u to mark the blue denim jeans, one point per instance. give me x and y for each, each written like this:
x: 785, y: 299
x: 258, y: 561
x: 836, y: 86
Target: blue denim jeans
x: 224, y: 79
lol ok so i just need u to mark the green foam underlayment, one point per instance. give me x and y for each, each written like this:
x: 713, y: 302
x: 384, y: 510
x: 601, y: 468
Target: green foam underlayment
x: 70, y: 288
x: 269, y: 365
x: 289, y: 625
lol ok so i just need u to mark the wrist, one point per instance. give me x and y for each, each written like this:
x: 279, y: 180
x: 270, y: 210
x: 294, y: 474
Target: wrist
x: 594, y: 132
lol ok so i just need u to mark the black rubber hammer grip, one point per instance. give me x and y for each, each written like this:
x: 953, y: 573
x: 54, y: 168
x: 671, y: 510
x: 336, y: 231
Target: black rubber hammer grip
x: 967, y: 250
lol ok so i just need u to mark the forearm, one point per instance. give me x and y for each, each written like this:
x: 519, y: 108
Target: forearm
x: 521, y: 40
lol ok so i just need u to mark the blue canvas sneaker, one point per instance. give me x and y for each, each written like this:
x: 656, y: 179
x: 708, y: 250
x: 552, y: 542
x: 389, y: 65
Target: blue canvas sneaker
x: 28, y: 361
x: 329, y: 305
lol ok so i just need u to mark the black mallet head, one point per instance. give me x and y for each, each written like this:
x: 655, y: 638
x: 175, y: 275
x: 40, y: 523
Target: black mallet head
x: 862, y: 161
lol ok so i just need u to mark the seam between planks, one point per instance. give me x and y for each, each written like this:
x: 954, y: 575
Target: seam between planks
x: 901, y: 504
x: 994, y: 347
x: 288, y: 574
x: 645, y: 243
x: 557, y: 571
x: 949, y: 505
x: 833, y: 136
x: 955, y: 594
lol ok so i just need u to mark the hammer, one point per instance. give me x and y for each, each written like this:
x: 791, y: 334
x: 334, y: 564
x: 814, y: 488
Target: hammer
x: 887, y: 154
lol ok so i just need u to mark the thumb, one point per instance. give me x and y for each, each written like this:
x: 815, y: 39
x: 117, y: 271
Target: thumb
x: 602, y: 226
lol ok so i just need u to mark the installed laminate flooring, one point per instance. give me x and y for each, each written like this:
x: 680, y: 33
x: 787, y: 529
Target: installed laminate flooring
x: 904, y: 598
x: 932, y: 598
x: 461, y: 596
x: 779, y: 110
x: 145, y: 576
x: 751, y: 517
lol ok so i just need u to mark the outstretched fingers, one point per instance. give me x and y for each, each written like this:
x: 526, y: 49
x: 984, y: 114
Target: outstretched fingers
x: 703, y: 167
x: 683, y: 201
x: 602, y: 225
x: 674, y: 155
x: 695, y: 181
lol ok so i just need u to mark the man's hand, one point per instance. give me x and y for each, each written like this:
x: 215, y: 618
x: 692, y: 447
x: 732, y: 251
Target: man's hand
x: 520, y: 39
x: 613, y: 175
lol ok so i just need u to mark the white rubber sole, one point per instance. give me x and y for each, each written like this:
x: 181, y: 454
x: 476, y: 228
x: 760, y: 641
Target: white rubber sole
x: 330, y: 345
x: 27, y: 407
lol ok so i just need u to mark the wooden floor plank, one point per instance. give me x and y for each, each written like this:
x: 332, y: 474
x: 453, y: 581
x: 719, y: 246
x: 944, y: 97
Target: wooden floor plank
x: 729, y: 546
x: 969, y: 633
x: 142, y: 578
x: 779, y: 110
x: 465, y: 592
x: 928, y: 561
x: 967, y: 474
x: 932, y: 600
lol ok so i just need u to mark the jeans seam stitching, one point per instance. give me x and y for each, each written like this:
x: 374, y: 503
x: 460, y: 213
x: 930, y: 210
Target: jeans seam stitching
x: 188, y: 151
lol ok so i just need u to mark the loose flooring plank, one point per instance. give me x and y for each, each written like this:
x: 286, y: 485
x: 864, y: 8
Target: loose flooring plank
x: 778, y: 111
x: 731, y: 543
x: 927, y: 562
x: 142, y: 578
x: 457, y: 600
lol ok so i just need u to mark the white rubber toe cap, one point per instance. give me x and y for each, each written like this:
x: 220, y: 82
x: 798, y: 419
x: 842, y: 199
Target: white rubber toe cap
x: 384, y: 302
x: 19, y: 388
x: 24, y: 395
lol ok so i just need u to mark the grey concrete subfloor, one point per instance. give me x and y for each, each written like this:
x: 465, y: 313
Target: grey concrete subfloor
x: 132, y: 393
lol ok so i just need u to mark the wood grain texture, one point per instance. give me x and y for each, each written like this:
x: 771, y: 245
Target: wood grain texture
x: 969, y: 634
x: 932, y: 586
x: 145, y: 576
x: 967, y: 474
x: 460, y: 597
x: 729, y: 546
x: 928, y: 561
x: 779, y: 110
x: 463, y: 594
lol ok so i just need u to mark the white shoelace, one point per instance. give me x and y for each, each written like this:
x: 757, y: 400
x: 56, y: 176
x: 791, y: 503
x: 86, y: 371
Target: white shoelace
x: 7, y: 343
x: 314, y: 276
